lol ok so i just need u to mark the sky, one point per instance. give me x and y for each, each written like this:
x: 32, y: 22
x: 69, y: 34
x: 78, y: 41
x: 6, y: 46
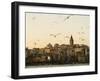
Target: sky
x: 44, y: 28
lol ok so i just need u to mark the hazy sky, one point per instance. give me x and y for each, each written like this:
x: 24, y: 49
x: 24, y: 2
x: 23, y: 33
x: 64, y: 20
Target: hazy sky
x: 44, y: 28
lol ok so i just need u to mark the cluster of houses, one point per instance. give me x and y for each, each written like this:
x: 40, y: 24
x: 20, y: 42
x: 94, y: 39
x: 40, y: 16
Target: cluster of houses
x: 58, y: 54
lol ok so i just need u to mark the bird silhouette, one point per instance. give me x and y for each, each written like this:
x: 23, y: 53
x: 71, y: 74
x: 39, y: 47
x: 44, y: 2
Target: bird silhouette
x: 66, y: 18
x: 34, y: 18
x: 35, y: 43
x: 38, y: 40
x: 81, y: 32
x: 82, y: 28
x: 55, y: 35
x: 82, y: 39
x: 66, y: 36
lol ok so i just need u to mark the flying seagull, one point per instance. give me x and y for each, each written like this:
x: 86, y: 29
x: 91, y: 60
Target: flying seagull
x: 82, y: 28
x: 38, y: 40
x: 33, y: 18
x: 66, y: 18
x: 82, y: 39
x: 55, y: 35
x: 35, y: 43
x: 66, y: 36
x: 81, y: 32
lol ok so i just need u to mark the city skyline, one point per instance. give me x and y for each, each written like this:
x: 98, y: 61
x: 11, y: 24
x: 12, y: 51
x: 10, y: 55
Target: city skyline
x: 74, y: 54
x: 43, y: 28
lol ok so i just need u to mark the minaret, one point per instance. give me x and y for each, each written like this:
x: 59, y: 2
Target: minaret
x: 71, y: 41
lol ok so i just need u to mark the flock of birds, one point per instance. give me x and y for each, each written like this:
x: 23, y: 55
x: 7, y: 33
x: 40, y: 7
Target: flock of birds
x: 55, y: 35
x: 65, y: 19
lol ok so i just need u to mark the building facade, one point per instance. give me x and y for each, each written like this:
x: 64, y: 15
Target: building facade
x: 59, y: 54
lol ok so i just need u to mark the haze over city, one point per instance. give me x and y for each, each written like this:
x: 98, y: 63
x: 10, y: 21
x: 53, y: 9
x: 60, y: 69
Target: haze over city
x: 44, y: 28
